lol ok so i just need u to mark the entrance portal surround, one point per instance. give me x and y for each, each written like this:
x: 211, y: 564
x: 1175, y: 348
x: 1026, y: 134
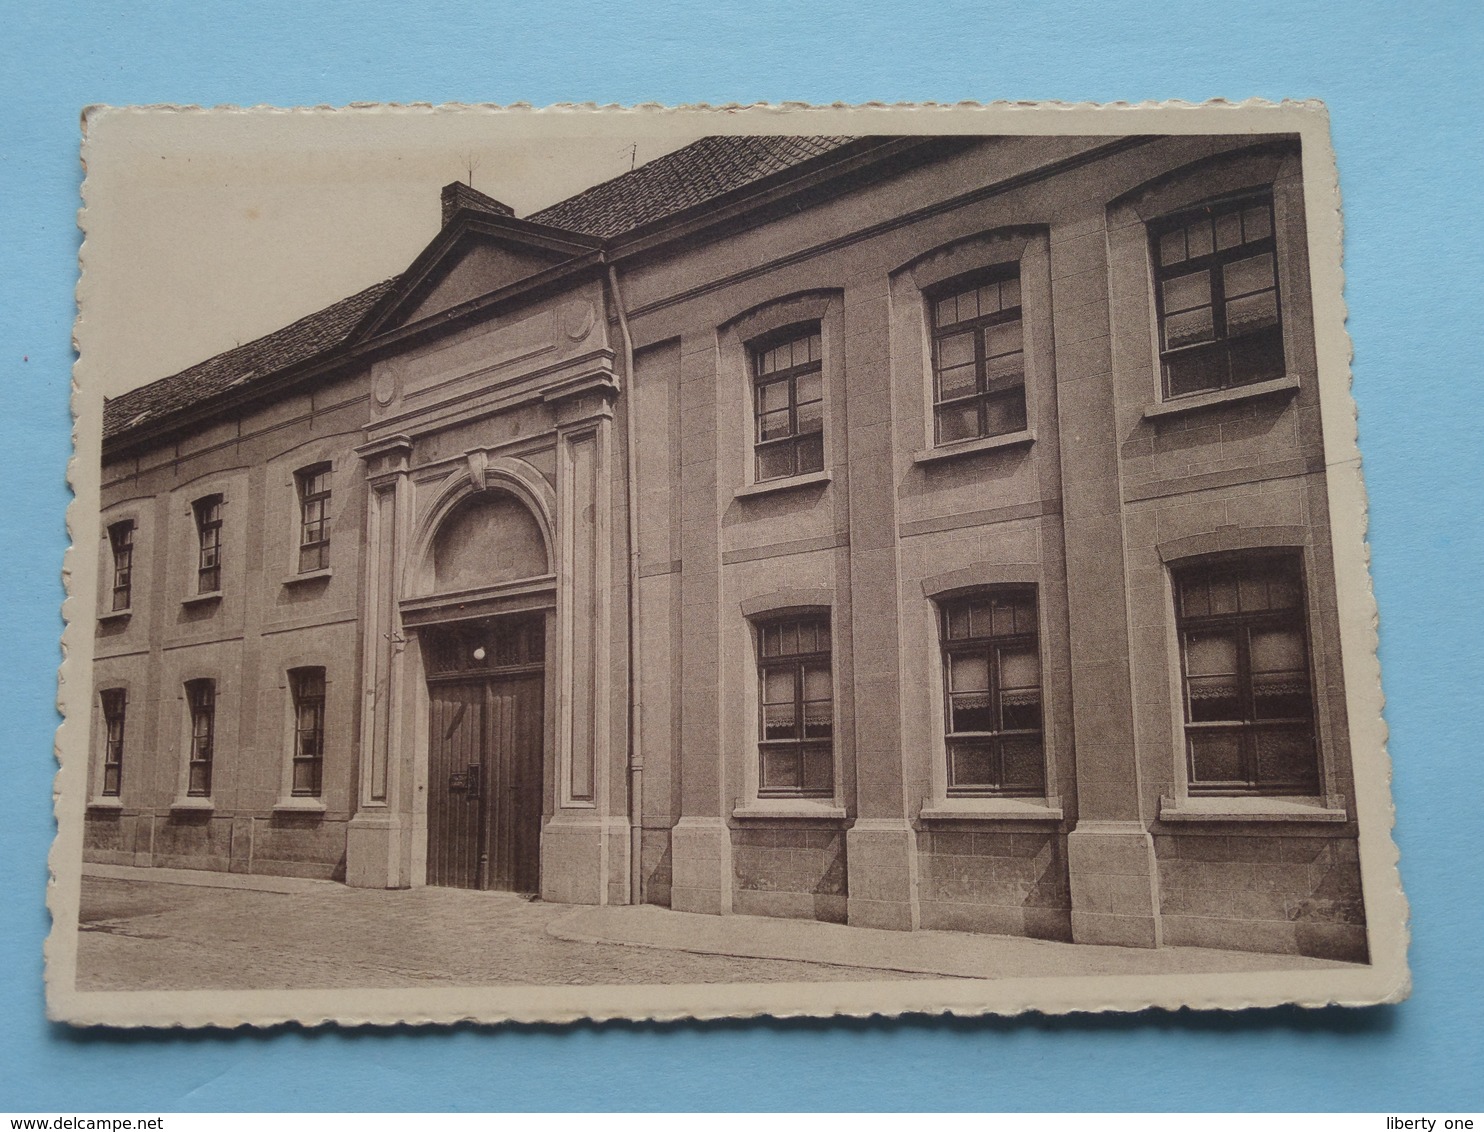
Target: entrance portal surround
x: 584, y: 842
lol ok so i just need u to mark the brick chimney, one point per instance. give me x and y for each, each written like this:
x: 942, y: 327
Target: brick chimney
x: 457, y: 195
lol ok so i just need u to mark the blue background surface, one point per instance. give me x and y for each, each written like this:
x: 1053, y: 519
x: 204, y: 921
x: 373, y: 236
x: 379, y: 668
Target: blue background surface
x: 1402, y: 83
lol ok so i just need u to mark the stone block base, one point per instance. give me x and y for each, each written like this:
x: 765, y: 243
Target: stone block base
x: 701, y: 866
x: 373, y: 852
x: 1115, y: 898
x: 881, y: 855
x: 584, y: 860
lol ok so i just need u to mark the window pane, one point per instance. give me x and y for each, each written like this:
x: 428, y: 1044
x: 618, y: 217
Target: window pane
x: 971, y: 711
x: 772, y: 640
x: 816, y: 352
x: 778, y: 686
x: 1285, y: 757
x: 961, y: 381
x: 958, y: 422
x: 1023, y: 766
x: 772, y: 396
x: 1020, y: 668
x: 971, y: 765
x: 1251, y: 313
x: 958, y: 621
x: 956, y: 350
x: 1194, y: 601
x: 1198, y: 235
x: 1244, y: 276
x: 1228, y: 230
x: 1172, y: 246
x: 1010, y: 293
x: 819, y: 720
x: 773, y: 426
x: 968, y: 304
x: 1210, y: 654
x: 1187, y: 291
x: 1278, y: 650
x: 1223, y: 594
x: 811, y: 417
x: 1216, y: 757
x: 1283, y: 592
x: 1281, y: 695
x: 1002, y: 338
x: 775, y: 462
x: 1195, y: 372
x: 780, y: 769
x: 306, y: 778
x: 946, y: 311
x: 808, y: 387
x: 1002, y: 622
x: 1020, y: 710
x: 1257, y: 223
x: 817, y: 685
x: 819, y: 770
x: 1003, y: 372
x: 1005, y: 413
x: 968, y: 672
x: 989, y: 298
x: 1257, y: 356
x: 1025, y: 615
x: 778, y: 721
x: 1188, y: 328
x: 811, y: 453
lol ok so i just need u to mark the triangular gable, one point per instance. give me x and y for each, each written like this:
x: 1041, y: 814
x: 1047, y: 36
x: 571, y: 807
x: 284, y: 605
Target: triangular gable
x: 474, y: 255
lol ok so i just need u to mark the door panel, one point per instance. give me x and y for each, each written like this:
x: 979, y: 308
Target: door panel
x: 484, y: 783
x: 456, y: 743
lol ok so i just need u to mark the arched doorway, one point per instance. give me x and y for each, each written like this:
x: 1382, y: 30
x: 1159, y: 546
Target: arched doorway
x: 485, y: 674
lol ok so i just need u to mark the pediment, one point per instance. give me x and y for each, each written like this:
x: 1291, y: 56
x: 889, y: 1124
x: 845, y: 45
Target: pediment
x: 472, y: 257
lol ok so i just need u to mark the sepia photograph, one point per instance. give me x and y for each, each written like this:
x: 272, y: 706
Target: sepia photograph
x: 654, y: 564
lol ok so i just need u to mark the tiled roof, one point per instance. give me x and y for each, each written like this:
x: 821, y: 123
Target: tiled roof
x: 691, y: 175
x: 670, y: 184
x: 297, y: 342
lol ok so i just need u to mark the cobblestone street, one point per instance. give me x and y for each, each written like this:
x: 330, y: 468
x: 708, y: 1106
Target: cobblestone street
x: 144, y: 935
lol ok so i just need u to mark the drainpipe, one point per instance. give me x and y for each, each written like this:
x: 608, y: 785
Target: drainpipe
x: 635, y: 698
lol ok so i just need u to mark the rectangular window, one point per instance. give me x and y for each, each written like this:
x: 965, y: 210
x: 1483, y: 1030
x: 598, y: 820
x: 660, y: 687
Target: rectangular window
x: 201, y: 699
x: 307, y: 686
x: 1249, y: 712
x: 796, y: 709
x: 121, y: 540
x: 209, y: 540
x: 1216, y: 291
x: 314, y: 518
x: 992, y: 688
x: 113, y: 741
x: 788, y: 405
x: 978, y: 360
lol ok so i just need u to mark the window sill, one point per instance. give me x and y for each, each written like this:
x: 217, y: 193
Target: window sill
x: 1330, y: 809
x: 783, y: 809
x: 109, y: 804
x: 299, y: 805
x: 991, y: 809
x: 309, y: 576
x: 116, y: 615
x: 202, y: 599
x: 189, y: 805
x: 1194, y: 402
x: 968, y: 447
x: 787, y: 483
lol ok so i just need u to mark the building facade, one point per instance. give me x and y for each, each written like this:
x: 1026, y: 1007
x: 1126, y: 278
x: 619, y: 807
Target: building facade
x: 903, y: 532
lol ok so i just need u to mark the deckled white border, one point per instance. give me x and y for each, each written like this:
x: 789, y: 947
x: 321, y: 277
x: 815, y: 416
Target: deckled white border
x: 1385, y: 979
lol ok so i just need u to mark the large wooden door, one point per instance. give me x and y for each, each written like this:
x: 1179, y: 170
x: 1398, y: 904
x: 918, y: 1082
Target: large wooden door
x: 484, y: 783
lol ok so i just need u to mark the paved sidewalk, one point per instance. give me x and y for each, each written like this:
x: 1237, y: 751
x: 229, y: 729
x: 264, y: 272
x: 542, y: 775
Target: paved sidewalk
x: 947, y: 954
x: 178, y: 929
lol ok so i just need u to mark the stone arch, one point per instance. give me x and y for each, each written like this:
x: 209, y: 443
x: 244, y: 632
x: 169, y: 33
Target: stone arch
x: 490, y: 524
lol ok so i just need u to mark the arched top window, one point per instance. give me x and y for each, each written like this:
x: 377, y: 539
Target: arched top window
x: 488, y: 539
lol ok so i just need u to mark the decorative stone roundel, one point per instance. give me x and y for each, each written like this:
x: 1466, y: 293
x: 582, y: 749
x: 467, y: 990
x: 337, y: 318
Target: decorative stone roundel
x: 578, y: 319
